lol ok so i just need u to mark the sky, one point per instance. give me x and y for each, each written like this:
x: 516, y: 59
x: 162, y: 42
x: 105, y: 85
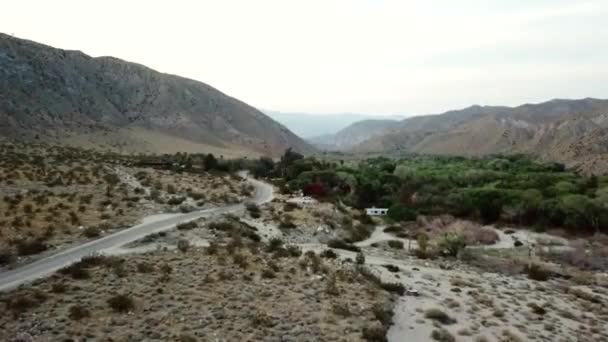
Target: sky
x: 330, y: 56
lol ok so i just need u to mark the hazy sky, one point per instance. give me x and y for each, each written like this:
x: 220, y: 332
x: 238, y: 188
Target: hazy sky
x: 401, y: 56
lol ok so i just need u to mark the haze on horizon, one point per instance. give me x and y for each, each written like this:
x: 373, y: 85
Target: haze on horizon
x: 377, y: 57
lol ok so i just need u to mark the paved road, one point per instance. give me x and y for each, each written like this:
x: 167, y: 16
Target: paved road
x: 48, y: 265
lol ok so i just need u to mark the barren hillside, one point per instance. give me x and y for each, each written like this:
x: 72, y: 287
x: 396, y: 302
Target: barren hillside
x: 68, y: 97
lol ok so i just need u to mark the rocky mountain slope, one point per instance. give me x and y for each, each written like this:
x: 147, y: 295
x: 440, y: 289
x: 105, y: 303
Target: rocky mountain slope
x: 354, y: 134
x: 574, y: 132
x: 68, y: 97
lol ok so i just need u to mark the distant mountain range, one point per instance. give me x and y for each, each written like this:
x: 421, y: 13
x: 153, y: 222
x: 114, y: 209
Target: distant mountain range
x: 574, y: 132
x: 68, y: 97
x: 309, y: 126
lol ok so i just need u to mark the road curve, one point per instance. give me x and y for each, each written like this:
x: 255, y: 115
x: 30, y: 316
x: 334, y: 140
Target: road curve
x: 43, y: 267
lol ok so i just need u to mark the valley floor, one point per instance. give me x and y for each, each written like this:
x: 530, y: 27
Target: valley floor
x: 268, y: 273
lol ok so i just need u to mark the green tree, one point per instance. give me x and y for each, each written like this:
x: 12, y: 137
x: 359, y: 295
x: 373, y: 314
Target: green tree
x: 210, y: 163
x: 399, y: 212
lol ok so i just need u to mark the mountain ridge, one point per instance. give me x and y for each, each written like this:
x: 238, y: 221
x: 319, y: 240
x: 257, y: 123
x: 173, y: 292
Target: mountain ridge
x: 68, y: 97
x: 570, y: 131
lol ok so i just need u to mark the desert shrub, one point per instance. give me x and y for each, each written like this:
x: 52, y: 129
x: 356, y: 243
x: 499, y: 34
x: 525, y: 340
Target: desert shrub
x: 331, y: 286
x: 144, y: 267
x: 391, y: 268
x: 483, y: 236
x: 360, y: 232
x: 30, y: 247
x: 176, y: 200
x: 78, y: 312
x: 253, y: 209
x: 383, y: 313
x: 439, y: 316
x: 328, y: 254
x: 91, y: 232
x: 423, y: 251
x: 121, y: 303
x: 287, y: 222
x: 268, y: 273
x: 341, y: 244
x: 76, y: 271
x: 442, y: 335
x: 397, y: 288
x: 6, y: 257
x: 240, y: 260
x: 289, y: 206
x: 25, y: 301
x: 451, y: 244
x: 274, y: 244
x: 537, y: 272
x: 224, y: 225
x: 374, y: 333
x: 212, y: 249
x: 396, y: 244
x: 183, y: 245
x: 187, y: 225
x: 293, y: 250
x: 360, y: 258
x: 58, y: 288
x: 262, y: 319
x: 341, y: 309
x: 187, y: 338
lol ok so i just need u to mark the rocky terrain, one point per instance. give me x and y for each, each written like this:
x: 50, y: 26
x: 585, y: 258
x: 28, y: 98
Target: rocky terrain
x: 290, y: 271
x: 68, y: 97
x: 574, y: 132
x: 55, y: 196
x: 353, y: 134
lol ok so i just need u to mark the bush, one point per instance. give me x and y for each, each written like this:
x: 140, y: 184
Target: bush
x: 31, y: 247
x: 328, y: 254
x: 78, y: 312
x: 268, y: 273
x: 439, y: 316
x: 341, y: 244
x: 294, y: 250
x: 538, y: 273
x: 6, y: 257
x: 442, y: 335
x: 274, y: 244
x: 91, y: 232
x: 222, y: 225
x: 397, y: 288
x: 59, y: 288
x: 176, y: 200
x: 396, y: 244
x: 399, y: 212
x: 144, y: 267
x: 76, y: 271
x: 374, y: 333
x: 331, y: 286
x: 25, y: 301
x: 121, y: 303
x: 187, y: 225
x: 183, y: 245
x: 253, y: 209
x: 451, y: 244
x: 360, y: 258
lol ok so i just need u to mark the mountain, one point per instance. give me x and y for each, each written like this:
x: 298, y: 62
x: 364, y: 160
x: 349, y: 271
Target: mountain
x: 68, y: 97
x: 317, y: 125
x: 352, y: 135
x: 574, y: 132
